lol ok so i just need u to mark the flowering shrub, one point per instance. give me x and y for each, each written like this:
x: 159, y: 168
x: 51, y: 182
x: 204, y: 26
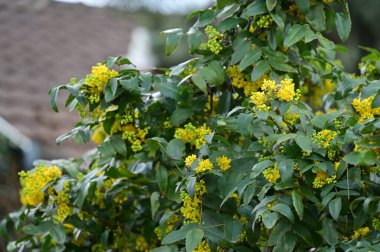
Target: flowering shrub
x: 261, y: 142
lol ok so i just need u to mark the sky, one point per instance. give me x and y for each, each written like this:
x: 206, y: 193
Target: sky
x: 164, y: 6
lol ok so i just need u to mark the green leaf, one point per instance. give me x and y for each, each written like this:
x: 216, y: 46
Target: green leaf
x: 173, y: 39
x: 168, y: 88
x: 118, y: 144
x: 178, y: 235
x: 295, y: 34
x: 304, y: 142
x: 320, y: 121
x: 334, y: 207
x: 256, y: 8
x: 281, y: 66
x: 228, y: 196
x: 154, y: 203
x: 180, y: 115
x: 193, y: 238
x: 213, y: 73
x: 130, y: 84
x: 284, y: 210
x: 228, y: 24
x: 329, y: 232
x: 286, y: 243
x: 240, y: 50
x: 250, y: 58
x: 278, y: 19
x: 162, y: 178
x: 260, y: 68
x: 175, y: 149
x: 271, y: 4
x: 194, y: 39
x: 286, y: 169
x: 58, y: 233
x: 223, y: 3
x: 113, y: 85
x: 297, y: 203
x: 53, y: 96
x: 343, y: 23
x: 269, y: 219
x: 200, y: 82
x: 232, y: 230
x: 316, y: 18
x: 304, y: 5
x: 361, y: 158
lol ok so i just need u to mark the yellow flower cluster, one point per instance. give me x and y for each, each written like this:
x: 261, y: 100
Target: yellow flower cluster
x: 34, y: 181
x: 322, y: 179
x: 203, y: 247
x: 63, y: 200
x: 286, y: 91
x: 223, y: 162
x: 291, y: 118
x: 193, y: 135
x: 214, y: 40
x: 99, y: 134
x: 239, y: 80
x: 100, y: 75
x: 376, y: 224
x: 361, y: 232
x: 134, y: 135
x: 263, y: 22
x: 141, y: 244
x: 190, y: 160
x: 272, y: 174
x: 364, y: 108
x: 204, y: 165
x: 324, y: 137
x: 191, y: 209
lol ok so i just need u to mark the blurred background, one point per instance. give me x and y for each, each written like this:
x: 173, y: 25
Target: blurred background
x: 43, y: 43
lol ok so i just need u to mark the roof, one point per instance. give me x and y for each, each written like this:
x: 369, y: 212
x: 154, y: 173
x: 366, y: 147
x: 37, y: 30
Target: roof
x: 42, y: 46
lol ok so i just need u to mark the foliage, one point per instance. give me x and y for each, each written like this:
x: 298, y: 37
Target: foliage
x: 261, y: 142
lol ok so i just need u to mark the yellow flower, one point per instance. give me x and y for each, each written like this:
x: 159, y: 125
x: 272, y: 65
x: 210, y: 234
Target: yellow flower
x: 191, y: 209
x: 286, y: 90
x: 361, y: 232
x: 325, y: 137
x: 100, y: 75
x: 190, y: 160
x: 203, y: 247
x: 238, y: 80
x: 192, y: 135
x: 34, y: 181
x: 258, y: 98
x: 204, y: 165
x: 291, y: 118
x: 63, y: 200
x: 364, y: 108
x: 214, y: 40
x: 265, y: 21
x: 272, y: 174
x: 141, y: 244
x: 224, y: 163
x: 99, y: 135
x: 268, y: 86
x: 322, y: 179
